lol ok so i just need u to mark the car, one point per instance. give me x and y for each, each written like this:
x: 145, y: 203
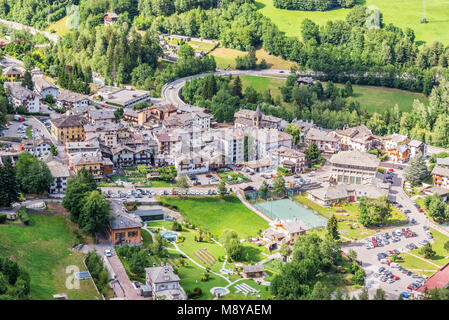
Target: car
x: 416, y: 276
x: 396, y: 251
x: 281, y: 71
x: 410, y: 287
x: 425, y: 228
x: 381, y: 269
x: 380, y: 256
x: 423, y: 242
x: 405, y: 295
x: 409, y: 273
x: 108, y: 253
x: 407, y: 211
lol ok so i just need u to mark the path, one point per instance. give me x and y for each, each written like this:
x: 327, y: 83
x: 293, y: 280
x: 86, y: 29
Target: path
x: 130, y: 293
x: 15, y: 25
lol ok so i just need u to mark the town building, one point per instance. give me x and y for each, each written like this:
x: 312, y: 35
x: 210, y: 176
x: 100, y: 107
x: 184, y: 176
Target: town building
x: 286, y: 231
x: 21, y: 96
x: 97, y: 115
x: 38, y: 147
x: 191, y: 163
x: 68, y: 99
x: 416, y: 147
x: 255, y: 271
x: 332, y: 194
x: 291, y: 159
x: 124, y: 97
x: 356, y: 138
x: 396, y: 146
x: 44, y: 87
x: 308, y: 81
x: 124, y: 231
x: 327, y: 141
x: 245, y: 118
x: 164, y: 283
x: 68, y: 128
x: 353, y: 167
x: 60, y: 174
x: 93, y: 162
x: 13, y: 73
x: 438, y: 280
x: 441, y: 176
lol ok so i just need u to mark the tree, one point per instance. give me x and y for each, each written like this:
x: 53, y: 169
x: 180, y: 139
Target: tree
x: 27, y: 81
x: 33, y: 175
x: 348, y: 89
x: 263, y: 190
x: 332, y: 228
x: 359, y: 277
x: 279, y: 185
x: 295, y: 131
x: 320, y: 292
x: 222, y: 188
x: 427, y: 251
x: 446, y: 246
x: 138, y: 262
x: 285, y: 249
x: 94, y: 213
x: 374, y: 211
x: 182, y: 182
x: 416, y: 171
x: 380, y: 294
x: 9, y: 188
x: 158, y: 247
x: 186, y: 51
x: 364, y: 294
x: 231, y: 242
x: 237, y: 88
x: 313, y: 154
x: 437, y: 208
x: 54, y: 150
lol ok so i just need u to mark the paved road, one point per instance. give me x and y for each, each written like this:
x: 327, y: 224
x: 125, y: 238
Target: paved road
x: 18, y: 26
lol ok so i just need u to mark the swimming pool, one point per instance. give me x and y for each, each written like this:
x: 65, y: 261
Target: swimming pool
x: 170, y: 236
x: 287, y: 209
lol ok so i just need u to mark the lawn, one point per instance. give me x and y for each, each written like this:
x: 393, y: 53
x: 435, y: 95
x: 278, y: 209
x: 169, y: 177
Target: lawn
x: 29, y: 132
x: 442, y: 256
x: 43, y: 250
x: 371, y: 98
x: 234, y: 177
x: 402, y: 13
x: 225, y: 57
x: 347, y: 217
x: 59, y: 26
x: 197, y: 45
x: 216, y: 214
x: 415, y: 264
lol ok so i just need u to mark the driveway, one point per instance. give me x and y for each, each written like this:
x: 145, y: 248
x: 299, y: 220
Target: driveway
x: 129, y: 292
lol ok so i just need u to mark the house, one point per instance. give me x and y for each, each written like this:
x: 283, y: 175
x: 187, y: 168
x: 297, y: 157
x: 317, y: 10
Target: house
x: 255, y: 271
x: 164, y: 283
x: 327, y: 141
x: 68, y: 99
x: 44, y: 87
x: 356, y: 138
x: 165, y: 142
x: 261, y: 165
x: 331, y: 194
x: 97, y: 115
x: 396, y: 146
x: 123, y: 230
x: 353, y: 167
x: 438, y: 280
x: 191, y: 163
x: 285, y: 230
x: 291, y: 159
x: 93, y: 162
x: 440, y: 176
x: 416, y: 146
x: 305, y: 81
x: 38, y: 147
x: 122, y: 155
x: 13, y: 73
x: 110, y: 18
x: 68, y: 128
x: 21, y: 96
x: 150, y: 115
x: 442, y: 192
x: 60, y: 174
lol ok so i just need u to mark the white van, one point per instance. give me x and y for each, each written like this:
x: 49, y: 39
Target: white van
x: 383, y: 261
x: 394, y: 265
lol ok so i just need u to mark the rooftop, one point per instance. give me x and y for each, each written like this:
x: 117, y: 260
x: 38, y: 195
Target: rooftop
x: 355, y: 158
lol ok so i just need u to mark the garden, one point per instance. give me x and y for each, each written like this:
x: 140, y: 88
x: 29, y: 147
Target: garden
x: 137, y: 175
x: 232, y: 177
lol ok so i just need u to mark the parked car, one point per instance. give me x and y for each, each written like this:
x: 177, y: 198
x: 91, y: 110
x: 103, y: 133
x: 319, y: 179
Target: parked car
x: 108, y: 253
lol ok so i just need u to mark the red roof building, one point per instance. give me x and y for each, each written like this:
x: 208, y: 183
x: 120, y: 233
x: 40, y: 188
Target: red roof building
x: 439, y: 279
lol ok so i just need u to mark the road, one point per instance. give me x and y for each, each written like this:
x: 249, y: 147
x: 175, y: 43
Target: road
x: 18, y: 26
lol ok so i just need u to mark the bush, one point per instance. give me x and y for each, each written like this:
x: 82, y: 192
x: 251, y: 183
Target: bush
x: 23, y: 215
x: 2, y: 218
x: 197, y: 292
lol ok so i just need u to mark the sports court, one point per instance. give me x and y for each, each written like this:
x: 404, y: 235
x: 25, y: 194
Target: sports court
x: 287, y: 209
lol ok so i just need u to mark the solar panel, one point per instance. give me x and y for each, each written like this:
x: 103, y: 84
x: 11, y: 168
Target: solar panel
x: 82, y: 275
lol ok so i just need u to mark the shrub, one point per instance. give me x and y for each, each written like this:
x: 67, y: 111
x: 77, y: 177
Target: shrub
x: 2, y: 218
x: 23, y: 215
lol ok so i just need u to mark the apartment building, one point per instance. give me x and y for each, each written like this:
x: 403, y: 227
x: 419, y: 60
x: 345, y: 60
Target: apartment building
x: 327, y: 141
x: 441, y: 176
x: 356, y: 138
x: 21, y: 96
x: 68, y: 99
x: 69, y: 128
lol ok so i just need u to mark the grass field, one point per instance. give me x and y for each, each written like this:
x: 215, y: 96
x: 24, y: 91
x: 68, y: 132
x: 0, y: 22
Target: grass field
x: 43, y: 250
x: 402, y: 13
x: 371, y: 98
x: 225, y: 57
x: 217, y: 214
x: 59, y: 26
x: 201, y: 45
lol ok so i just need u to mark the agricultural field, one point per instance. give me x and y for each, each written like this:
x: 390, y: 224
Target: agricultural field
x: 225, y: 57
x: 216, y: 214
x: 402, y: 13
x: 42, y: 248
x: 371, y: 98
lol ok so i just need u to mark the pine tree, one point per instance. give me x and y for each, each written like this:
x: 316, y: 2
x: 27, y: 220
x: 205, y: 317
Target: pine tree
x: 332, y: 228
x: 9, y: 188
x: 416, y: 171
x: 237, y: 88
x: 313, y: 154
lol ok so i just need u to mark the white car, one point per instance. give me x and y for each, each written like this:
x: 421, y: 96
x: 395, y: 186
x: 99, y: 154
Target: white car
x: 108, y: 253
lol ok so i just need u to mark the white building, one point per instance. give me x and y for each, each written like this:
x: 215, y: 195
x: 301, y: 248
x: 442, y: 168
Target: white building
x: 68, y: 99
x: 232, y: 145
x: 38, y: 147
x: 20, y: 96
x: 44, y: 88
x: 60, y: 174
x: 354, y: 167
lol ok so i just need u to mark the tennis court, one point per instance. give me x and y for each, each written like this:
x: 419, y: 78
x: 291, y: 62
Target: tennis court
x: 287, y: 209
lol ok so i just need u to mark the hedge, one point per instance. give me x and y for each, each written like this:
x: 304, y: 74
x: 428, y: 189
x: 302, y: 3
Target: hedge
x: 23, y: 215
